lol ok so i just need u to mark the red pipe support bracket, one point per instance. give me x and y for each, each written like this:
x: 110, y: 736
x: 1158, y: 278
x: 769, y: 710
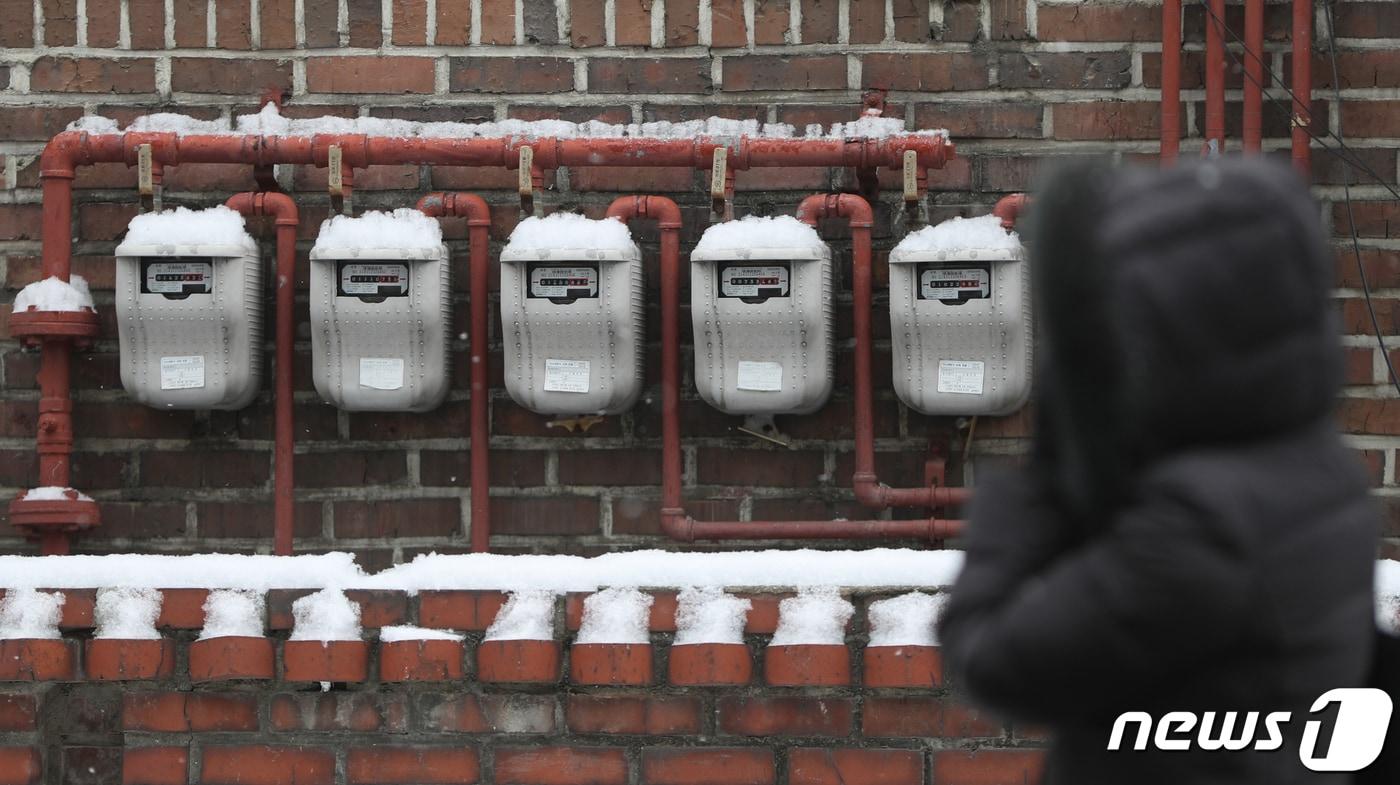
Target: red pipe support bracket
x: 478, y: 216
x: 286, y: 218
x: 1301, y: 117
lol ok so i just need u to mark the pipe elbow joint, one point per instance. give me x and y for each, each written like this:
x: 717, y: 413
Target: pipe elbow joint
x: 677, y: 525
x: 1009, y: 208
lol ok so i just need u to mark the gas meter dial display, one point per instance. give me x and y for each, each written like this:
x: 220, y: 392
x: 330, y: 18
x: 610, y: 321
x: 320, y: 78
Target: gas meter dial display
x: 954, y: 284
x: 176, y: 278
x: 373, y: 279
x: 562, y: 282
x: 747, y: 281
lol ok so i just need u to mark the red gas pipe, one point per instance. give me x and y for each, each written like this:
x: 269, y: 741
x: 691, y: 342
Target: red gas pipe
x: 478, y: 216
x: 284, y: 212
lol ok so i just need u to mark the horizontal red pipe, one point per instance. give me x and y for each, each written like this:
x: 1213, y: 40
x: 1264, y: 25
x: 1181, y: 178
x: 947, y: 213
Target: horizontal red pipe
x: 478, y: 216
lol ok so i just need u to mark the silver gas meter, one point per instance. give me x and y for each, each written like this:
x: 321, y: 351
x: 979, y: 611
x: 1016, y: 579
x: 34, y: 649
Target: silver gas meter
x: 761, y: 309
x: 381, y: 308
x: 572, y: 315
x: 189, y: 308
x: 960, y: 320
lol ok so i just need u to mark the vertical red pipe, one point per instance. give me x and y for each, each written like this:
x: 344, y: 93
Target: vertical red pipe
x: 284, y: 212
x: 54, y: 441
x: 1215, y: 77
x: 1254, y: 76
x: 478, y: 216
x: 1302, y: 86
x: 1171, y: 81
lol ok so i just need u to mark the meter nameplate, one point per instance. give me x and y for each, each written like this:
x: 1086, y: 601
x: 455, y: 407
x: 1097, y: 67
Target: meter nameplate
x: 372, y: 279
x: 178, y: 278
x: 961, y: 376
x: 760, y: 376
x: 954, y: 284
x: 381, y: 373
x: 182, y: 373
x: 749, y: 281
x: 566, y: 376
x: 557, y: 282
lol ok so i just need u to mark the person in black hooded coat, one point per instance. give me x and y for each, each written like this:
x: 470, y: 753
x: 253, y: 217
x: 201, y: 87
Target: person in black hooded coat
x: 1190, y: 533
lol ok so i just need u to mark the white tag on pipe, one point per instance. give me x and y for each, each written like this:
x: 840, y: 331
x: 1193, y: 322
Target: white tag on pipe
x: 381, y: 373
x: 182, y: 373
x: 760, y: 376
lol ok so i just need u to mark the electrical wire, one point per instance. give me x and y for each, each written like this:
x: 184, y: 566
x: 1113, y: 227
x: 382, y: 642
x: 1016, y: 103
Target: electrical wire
x: 1342, y: 152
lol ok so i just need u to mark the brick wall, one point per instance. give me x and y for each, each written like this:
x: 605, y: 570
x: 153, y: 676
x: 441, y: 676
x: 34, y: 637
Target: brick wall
x: 455, y: 712
x: 1017, y: 82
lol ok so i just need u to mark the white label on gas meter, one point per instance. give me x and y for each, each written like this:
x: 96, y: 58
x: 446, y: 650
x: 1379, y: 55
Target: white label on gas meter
x: 760, y: 376
x: 179, y: 277
x: 559, y: 282
x: 754, y: 281
x: 373, y: 280
x: 568, y: 376
x: 953, y: 283
x: 381, y: 373
x: 182, y: 373
x: 960, y: 376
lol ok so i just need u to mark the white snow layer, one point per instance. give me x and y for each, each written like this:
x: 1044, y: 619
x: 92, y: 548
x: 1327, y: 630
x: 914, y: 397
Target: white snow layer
x: 709, y: 615
x: 205, y: 571
x: 814, y: 616
x: 906, y: 620
x: 1388, y: 596
x: 616, y: 616
x: 127, y: 614
x: 752, y: 231
x: 402, y: 228
x: 55, y: 294
x: 54, y: 493
x: 327, y: 615
x: 527, y: 616
x: 405, y: 632
x: 571, y: 230
x: 233, y: 612
x: 26, y: 613
x: 270, y: 122
x: 183, y: 226
x: 960, y: 234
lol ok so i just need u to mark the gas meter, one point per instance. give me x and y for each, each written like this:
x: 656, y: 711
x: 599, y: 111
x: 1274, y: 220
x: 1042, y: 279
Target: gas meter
x: 960, y: 319
x: 761, y: 308
x: 572, y: 318
x: 381, y: 288
x: 190, y: 310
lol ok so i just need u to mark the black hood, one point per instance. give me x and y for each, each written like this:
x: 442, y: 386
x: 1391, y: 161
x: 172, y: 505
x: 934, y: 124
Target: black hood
x: 1176, y: 309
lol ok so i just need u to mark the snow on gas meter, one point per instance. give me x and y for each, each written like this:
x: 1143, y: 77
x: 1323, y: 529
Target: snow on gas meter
x: 189, y: 307
x: 761, y: 308
x: 960, y: 318
x: 381, y: 308
x: 572, y: 317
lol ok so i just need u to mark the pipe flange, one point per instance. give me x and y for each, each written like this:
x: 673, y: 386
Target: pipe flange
x: 34, y: 326
x: 37, y: 517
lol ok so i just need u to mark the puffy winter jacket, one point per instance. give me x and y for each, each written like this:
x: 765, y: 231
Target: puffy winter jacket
x: 1190, y: 533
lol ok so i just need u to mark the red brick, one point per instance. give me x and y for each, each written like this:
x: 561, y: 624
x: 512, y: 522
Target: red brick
x: 20, y: 766
x: 198, y: 712
x: 911, y: 20
x: 632, y: 715
x: 1371, y: 118
x: 1371, y: 219
x: 459, y: 610
x: 114, y: 659
x: 92, y: 75
x: 213, y: 469
x: 987, y: 767
x: 549, y: 515
x: 727, y: 27
x: 778, y: 468
x: 807, y: 665
x: 682, y: 22
x: 320, y: 18
x: 512, y: 468
x: 22, y: 123
x: 17, y: 25
x: 155, y: 766
x: 709, y: 766
x: 867, y: 23
x: 669, y: 75
x: 420, y: 660
x: 1098, y: 22
x: 471, y: 713
x: 560, y: 766
x: 511, y: 75
x: 498, y: 22
x: 399, y: 518
x: 20, y: 221
x: 267, y: 765
x: 380, y: 765
x: 820, y: 21
x: 983, y: 120
x: 633, y: 179
x: 633, y: 22
x: 921, y: 717
x: 823, y: 766
x: 1107, y: 120
x: 1382, y: 267
x: 350, y: 469
x: 333, y: 661
x: 243, y: 77
x: 369, y: 74
x: 1370, y: 416
x: 1368, y: 20
x: 103, y: 23
x: 615, y: 664
x: 778, y: 72
x: 410, y: 23
x: 360, y: 712
x: 234, y: 25
x: 796, y: 716
x: 18, y: 713
x: 925, y: 72
x: 60, y: 22
x: 1065, y: 70
x: 454, y: 23
x: 277, y: 20
x: 365, y: 23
